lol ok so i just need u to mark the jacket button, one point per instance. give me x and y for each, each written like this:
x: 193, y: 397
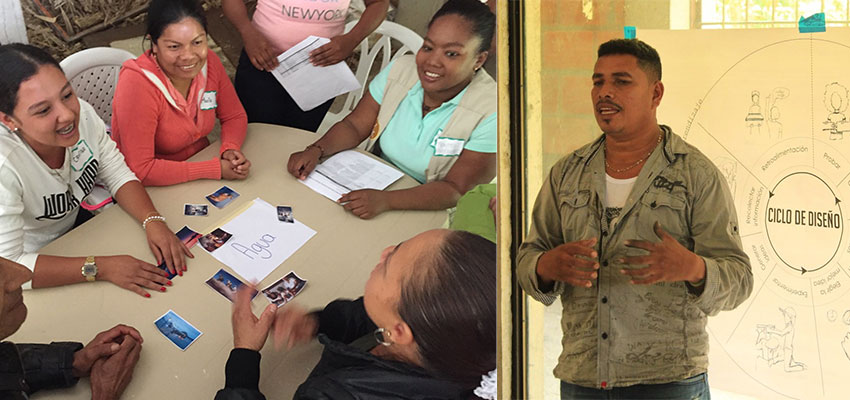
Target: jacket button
x: 654, y: 204
x: 604, y: 335
x: 604, y: 299
x: 605, y: 263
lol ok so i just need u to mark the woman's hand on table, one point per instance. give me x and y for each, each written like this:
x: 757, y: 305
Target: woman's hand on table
x: 365, y: 203
x: 293, y: 325
x: 166, y: 247
x: 132, y: 274
x: 303, y: 162
x: 338, y: 49
x: 250, y: 332
x: 234, y: 165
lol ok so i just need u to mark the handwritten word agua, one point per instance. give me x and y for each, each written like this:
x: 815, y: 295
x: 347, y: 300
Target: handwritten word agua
x: 259, y: 248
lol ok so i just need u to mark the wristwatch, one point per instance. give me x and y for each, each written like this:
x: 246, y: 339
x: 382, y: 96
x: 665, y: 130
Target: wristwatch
x: 89, y: 269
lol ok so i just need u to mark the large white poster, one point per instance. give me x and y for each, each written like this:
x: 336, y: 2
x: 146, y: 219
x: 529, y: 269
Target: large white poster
x: 256, y: 242
x: 770, y: 108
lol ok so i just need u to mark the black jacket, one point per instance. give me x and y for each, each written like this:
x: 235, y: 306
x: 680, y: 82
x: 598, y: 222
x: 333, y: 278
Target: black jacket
x: 27, y: 368
x: 346, y: 370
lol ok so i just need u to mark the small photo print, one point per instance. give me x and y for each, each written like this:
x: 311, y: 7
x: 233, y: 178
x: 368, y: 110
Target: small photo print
x: 196, y: 209
x: 285, y: 289
x: 222, y: 197
x: 284, y: 213
x: 227, y: 285
x: 215, y: 239
x: 168, y: 274
x: 188, y: 236
x: 177, y: 330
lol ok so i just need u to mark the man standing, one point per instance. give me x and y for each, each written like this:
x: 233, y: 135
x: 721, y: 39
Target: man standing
x: 637, y: 233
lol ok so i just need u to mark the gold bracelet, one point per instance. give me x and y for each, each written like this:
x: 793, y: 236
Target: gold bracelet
x: 318, y: 146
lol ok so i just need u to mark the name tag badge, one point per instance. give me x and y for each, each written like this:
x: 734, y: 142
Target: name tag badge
x: 208, y: 101
x: 448, y: 147
x: 81, y: 154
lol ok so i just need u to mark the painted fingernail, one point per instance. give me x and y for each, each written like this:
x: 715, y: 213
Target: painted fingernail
x: 180, y: 273
x: 169, y: 283
x: 147, y: 295
x: 162, y: 289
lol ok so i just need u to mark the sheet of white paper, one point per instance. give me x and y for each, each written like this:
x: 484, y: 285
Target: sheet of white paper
x: 350, y: 170
x: 260, y: 242
x: 308, y: 84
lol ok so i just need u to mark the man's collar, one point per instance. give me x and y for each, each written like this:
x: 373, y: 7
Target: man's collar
x: 673, y: 145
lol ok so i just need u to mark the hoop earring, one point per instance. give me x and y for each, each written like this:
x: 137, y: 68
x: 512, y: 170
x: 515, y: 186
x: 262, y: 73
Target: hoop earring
x: 381, y: 335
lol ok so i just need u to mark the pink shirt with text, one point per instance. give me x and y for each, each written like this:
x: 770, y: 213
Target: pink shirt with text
x: 286, y: 22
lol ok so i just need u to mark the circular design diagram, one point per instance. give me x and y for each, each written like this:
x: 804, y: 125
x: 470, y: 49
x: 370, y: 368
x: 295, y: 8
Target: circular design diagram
x: 812, y: 222
x: 775, y: 124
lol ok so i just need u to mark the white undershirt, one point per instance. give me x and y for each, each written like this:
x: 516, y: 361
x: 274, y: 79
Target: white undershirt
x: 616, y: 193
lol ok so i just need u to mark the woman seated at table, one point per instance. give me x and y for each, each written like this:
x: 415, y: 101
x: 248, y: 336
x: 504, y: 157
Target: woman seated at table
x: 52, y: 149
x: 435, y: 115
x: 167, y: 101
x: 424, y: 328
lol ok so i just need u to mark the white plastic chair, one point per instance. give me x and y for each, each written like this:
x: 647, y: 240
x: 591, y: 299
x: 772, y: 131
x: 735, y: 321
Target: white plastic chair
x: 93, y: 74
x: 387, y: 32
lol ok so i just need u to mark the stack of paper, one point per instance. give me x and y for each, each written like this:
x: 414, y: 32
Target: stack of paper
x: 350, y: 170
x: 308, y: 84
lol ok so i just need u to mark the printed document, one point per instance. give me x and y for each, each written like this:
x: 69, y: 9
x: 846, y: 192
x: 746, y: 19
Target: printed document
x: 350, y: 170
x: 308, y: 84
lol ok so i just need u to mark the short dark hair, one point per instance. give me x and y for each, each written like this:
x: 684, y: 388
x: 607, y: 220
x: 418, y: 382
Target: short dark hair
x: 449, y: 303
x: 477, y: 13
x: 19, y: 62
x: 162, y: 13
x: 647, y: 57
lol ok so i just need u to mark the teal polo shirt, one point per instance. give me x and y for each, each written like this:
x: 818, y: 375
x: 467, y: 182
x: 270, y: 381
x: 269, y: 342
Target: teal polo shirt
x: 409, y: 140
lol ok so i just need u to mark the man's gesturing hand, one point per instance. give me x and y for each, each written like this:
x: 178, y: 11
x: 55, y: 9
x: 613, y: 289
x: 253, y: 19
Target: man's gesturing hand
x: 667, y: 261
x: 573, y: 263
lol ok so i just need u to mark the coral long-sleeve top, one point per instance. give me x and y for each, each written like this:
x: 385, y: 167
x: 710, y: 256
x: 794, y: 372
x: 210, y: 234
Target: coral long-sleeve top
x: 157, y: 129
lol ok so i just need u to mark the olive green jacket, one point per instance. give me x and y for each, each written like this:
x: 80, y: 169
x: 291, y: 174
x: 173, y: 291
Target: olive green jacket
x: 617, y: 333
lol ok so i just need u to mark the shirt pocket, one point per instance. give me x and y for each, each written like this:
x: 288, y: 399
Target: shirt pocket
x: 668, y: 209
x: 576, y: 214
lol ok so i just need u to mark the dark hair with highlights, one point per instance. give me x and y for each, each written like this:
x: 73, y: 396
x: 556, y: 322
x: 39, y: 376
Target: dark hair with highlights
x: 647, y: 58
x: 19, y: 62
x: 483, y: 21
x: 449, y: 303
x: 162, y: 13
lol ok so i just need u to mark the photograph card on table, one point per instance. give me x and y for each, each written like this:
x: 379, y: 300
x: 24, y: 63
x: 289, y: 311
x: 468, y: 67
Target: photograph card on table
x: 285, y: 289
x: 177, y: 330
x: 214, y: 240
x: 222, y: 197
x: 227, y: 285
x: 196, y: 209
